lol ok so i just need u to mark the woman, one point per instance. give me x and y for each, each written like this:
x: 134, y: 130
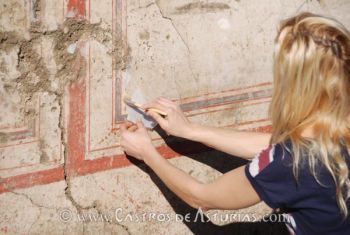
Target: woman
x: 305, y: 168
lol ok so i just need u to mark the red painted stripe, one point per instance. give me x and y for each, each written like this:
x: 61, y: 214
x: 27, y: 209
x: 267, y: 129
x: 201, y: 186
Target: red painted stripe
x: 106, y: 163
x: 77, y: 7
x: 78, y: 167
x: 85, y: 167
x: 229, y: 108
x: 76, y: 121
x: 230, y: 90
x: 76, y: 126
x: 31, y: 179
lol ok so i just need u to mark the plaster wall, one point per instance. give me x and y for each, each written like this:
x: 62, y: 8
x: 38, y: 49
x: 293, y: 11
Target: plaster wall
x: 65, y: 66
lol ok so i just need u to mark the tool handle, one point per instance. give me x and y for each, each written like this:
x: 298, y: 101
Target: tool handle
x: 151, y: 109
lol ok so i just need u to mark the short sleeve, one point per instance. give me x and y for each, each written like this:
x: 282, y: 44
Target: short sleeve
x: 271, y: 175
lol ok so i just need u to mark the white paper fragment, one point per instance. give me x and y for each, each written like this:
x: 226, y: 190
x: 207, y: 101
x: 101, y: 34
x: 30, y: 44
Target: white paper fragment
x: 71, y: 48
x: 135, y: 114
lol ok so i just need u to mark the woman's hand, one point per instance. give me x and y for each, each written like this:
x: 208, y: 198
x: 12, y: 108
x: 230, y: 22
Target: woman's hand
x: 135, y: 140
x: 175, y: 123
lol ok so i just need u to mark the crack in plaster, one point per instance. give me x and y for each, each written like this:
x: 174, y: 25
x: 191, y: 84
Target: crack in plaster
x: 172, y: 23
x: 301, y: 5
x: 35, y: 204
x: 31, y: 200
x: 181, y: 37
x: 35, y: 221
x: 100, y: 212
x: 67, y: 178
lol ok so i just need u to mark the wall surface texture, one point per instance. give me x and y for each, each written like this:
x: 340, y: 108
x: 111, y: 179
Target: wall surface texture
x: 65, y: 66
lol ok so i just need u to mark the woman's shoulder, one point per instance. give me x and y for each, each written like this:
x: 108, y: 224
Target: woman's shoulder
x: 275, y: 156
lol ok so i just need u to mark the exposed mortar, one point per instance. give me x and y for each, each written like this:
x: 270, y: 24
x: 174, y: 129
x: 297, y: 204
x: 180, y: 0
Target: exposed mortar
x: 35, y: 77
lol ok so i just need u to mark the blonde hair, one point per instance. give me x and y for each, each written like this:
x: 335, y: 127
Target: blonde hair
x: 312, y: 91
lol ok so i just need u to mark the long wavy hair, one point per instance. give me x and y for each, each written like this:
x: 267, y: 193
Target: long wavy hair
x: 312, y: 92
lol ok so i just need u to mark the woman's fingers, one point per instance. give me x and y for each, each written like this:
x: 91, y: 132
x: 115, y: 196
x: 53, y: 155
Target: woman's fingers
x: 149, y: 105
x: 128, y: 124
x: 156, y: 105
x: 139, y: 124
x: 161, y: 121
x: 123, y: 127
x: 167, y: 102
x: 133, y: 128
x: 169, y: 106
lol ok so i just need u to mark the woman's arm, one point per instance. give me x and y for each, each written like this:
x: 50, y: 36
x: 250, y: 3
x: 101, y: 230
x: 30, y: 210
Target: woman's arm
x: 230, y: 191
x: 238, y: 143
x: 242, y: 144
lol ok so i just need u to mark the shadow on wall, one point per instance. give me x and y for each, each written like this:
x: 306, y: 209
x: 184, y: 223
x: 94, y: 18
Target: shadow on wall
x: 221, y: 162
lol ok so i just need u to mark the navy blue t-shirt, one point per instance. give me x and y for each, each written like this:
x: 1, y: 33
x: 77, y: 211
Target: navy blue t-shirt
x: 312, y: 208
